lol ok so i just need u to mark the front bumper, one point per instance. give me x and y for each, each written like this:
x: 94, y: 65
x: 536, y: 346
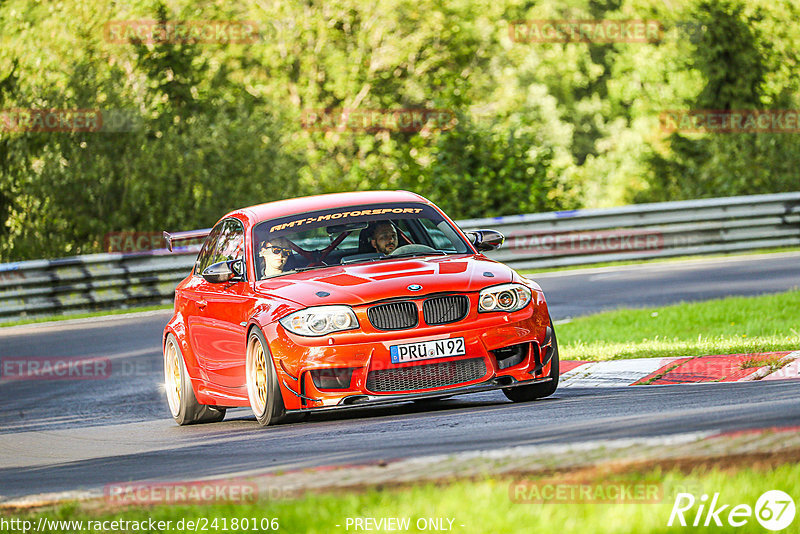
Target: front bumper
x: 354, y: 402
x: 366, y: 352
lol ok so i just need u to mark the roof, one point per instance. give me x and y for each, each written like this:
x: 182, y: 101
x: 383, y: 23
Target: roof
x: 282, y: 208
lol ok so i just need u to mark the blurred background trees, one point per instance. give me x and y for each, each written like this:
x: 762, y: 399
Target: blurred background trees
x: 205, y: 128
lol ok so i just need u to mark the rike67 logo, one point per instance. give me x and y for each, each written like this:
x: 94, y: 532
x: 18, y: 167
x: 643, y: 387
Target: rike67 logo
x: 774, y: 510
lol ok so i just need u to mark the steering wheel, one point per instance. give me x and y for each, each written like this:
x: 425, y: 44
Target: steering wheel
x: 413, y: 247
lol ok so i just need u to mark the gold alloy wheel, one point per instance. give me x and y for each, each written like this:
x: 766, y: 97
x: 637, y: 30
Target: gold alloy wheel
x: 257, y: 376
x: 172, y: 377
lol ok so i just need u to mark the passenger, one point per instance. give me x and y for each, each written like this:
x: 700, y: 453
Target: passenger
x: 384, y: 237
x: 275, y: 252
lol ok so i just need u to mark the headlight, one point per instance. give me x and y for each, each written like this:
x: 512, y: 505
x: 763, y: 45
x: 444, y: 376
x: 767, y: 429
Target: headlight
x: 320, y: 320
x: 505, y: 298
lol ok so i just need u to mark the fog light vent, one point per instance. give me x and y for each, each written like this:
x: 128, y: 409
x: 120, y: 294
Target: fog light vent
x: 510, y: 356
x: 333, y: 378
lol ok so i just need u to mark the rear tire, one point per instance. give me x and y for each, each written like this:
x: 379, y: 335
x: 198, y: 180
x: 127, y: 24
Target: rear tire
x: 262, y: 382
x: 538, y: 391
x: 181, y: 399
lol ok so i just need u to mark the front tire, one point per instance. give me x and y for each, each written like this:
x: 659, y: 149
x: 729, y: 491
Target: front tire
x: 182, y: 401
x: 262, y: 381
x: 538, y: 391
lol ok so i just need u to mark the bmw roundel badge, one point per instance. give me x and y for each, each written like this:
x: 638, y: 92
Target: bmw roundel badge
x: 414, y: 287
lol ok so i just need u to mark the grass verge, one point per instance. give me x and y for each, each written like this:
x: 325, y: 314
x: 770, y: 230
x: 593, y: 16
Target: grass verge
x: 495, y: 505
x: 731, y: 325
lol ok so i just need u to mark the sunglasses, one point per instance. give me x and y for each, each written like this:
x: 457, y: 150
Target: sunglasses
x: 280, y: 250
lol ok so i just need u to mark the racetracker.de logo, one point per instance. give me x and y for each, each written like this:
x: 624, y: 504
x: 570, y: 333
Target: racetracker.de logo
x: 601, y: 242
x: 585, y: 31
x: 132, y: 242
x: 54, y: 369
x: 377, y: 120
x: 195, y: 491
x: 181, y: 31
x: 731, y: 121
x: 51, y: 120
x: 544, y: 492
x: 71, y: 120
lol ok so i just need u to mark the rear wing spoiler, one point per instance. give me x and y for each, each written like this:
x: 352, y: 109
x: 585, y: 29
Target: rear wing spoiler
x: 175, y: 237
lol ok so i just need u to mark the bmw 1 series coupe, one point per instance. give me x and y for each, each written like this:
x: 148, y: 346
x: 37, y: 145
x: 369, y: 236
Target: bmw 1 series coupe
x: 349, y: 300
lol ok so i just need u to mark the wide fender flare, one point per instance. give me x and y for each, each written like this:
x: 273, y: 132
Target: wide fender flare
x: 290, y: 399
x: 177, y: 327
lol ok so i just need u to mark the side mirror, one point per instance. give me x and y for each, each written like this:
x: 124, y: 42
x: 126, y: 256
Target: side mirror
x: 224, y: 271
x: 485, y: 240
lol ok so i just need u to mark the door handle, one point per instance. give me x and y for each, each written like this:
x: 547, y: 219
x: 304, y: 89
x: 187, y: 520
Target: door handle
x: 202, y: 304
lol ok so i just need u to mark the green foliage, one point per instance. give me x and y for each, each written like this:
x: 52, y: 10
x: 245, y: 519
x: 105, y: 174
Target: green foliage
x: 479, y: 172
x: 541, y: 126
x: 740, y: 53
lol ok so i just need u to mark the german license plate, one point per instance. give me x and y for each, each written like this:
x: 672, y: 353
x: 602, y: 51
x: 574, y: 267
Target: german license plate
x: 426, y: 350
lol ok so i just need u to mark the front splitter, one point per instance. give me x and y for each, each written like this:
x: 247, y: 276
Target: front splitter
x: 354, y: 402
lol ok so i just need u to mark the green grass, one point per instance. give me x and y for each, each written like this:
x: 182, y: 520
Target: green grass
x: 773, y: 362
x: 489, y: 505
x: 84, y: 315
x: 772, y: 250
x: 725, y: 326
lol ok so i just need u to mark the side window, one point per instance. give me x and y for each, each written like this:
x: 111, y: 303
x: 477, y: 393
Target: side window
x: 204, y: 258
x: 230, y: 245
x: 225, y: 242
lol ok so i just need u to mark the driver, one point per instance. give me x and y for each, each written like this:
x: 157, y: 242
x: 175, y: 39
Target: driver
x: 275, y: 252
x: 384, y: 237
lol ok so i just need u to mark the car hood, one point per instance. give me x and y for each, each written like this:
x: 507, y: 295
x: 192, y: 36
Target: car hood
x: 369, y: 282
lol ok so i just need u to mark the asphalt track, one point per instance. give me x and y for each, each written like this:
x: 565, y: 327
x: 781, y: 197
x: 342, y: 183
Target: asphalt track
x: 83, y: 434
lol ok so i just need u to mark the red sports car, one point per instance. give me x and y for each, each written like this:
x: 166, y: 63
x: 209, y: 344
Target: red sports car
x: 349, y: 300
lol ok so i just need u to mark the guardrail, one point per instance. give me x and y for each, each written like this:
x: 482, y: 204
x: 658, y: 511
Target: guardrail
x: 534, y: 241
x: 645, y: 231
x: 91, y: 282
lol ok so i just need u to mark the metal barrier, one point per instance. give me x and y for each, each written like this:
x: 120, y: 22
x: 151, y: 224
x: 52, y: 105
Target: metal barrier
x: 91, y: 282
x: 534, y: 241
x: 645, y: 231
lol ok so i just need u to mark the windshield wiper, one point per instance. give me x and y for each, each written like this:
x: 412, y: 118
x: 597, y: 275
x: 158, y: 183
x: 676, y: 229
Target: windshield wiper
x: 413, y: 254
x: 309, y: 268
x: 346, y: 261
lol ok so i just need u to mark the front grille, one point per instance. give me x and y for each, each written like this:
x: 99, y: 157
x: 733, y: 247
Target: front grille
x: 432, y: 375
x: 393, y: 316
x: 443, y: 310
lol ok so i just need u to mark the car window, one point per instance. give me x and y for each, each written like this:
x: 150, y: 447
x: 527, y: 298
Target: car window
x: 230, y: 245
x: 224, y: 243
x: 345, y: 235
x: 204, y: 258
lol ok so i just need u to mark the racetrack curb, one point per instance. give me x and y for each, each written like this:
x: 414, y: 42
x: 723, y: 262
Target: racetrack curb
x: 681, y: 370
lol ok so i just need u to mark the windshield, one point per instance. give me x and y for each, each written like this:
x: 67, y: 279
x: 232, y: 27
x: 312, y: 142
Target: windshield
x: 354, y: 234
